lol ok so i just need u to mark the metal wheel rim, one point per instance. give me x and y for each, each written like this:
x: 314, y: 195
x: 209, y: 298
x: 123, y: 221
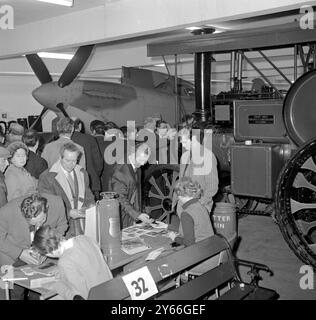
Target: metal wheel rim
x: 297, y: 219
x: 162, y: 193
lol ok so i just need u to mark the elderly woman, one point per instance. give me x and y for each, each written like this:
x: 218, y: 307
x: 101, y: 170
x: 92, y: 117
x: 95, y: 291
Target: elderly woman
x: 18, y: 180
x: 81, y: 264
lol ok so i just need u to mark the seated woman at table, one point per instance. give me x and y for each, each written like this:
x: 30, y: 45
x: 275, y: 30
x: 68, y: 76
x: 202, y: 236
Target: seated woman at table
x: 195, y: 222
x: 81, y: 264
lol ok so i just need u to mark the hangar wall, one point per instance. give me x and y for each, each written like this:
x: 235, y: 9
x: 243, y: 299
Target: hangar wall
x: 17, y: 101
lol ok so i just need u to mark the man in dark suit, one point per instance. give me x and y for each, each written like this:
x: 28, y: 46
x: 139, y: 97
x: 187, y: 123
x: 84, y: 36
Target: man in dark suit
x: 71, y: 182
x: 94, y: 160
x: 16, y: 219
x: 125, y: 181
x: 99, y: 130
x: 35, y: 164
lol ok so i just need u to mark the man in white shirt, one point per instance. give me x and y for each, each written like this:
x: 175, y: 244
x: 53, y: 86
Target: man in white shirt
x: 70, y: 181
x: 126, y: 182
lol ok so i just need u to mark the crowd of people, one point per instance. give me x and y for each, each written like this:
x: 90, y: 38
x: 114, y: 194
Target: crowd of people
x: 43, y: 196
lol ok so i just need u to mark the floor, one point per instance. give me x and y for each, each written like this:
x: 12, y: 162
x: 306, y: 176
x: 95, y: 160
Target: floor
x: 262, y: 241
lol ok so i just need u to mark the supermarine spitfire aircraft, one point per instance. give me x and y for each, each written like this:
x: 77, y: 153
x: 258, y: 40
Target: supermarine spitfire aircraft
x: 142, y: 93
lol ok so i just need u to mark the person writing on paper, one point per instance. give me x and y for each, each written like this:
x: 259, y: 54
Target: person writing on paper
x: 195, y: 222
x: 81, y: 264
x: 19, y: 219
x: 126, y: 182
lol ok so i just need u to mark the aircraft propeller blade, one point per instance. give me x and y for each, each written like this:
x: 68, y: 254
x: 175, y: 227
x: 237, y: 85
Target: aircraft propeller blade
x: 39, y: 68
x: 38, y: 119
x: 75, y: 65
x: 60, y: 106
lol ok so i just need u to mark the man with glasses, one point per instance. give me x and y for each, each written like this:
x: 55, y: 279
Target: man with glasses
x: 70, y: 181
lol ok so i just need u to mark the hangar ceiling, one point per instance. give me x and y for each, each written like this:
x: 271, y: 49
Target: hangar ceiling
x: 28, y: 11
x: 122, y: 33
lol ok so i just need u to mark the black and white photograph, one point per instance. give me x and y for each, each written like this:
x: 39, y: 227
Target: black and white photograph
x: 157, y: 150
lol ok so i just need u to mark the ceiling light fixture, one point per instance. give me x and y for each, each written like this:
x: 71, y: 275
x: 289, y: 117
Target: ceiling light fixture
x: 67, y: 3
x: 205, y: 29
x: 193, y: 28
x: 51, y: 55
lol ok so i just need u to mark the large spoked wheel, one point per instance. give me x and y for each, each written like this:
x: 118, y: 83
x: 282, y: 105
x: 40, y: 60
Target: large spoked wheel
x: 158, y: 189
x: 296, y: 203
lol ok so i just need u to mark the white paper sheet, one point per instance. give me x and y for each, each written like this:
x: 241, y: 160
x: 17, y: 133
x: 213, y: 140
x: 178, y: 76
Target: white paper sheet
x: 91, y: 224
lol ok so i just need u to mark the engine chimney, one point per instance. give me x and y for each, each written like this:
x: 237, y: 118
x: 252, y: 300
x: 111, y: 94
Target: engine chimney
x: 202, y: 78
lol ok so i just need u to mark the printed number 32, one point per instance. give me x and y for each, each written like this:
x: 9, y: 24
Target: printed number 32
x: 136, y: 285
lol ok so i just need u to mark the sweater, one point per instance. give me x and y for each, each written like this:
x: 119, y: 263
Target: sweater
x: 81, y: 267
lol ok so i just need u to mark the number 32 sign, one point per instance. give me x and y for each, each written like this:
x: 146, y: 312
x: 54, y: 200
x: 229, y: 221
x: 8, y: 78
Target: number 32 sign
x: 140, y: 284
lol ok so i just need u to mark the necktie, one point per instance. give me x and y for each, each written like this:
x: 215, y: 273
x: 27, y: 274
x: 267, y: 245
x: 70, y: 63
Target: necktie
x: 71, y: 182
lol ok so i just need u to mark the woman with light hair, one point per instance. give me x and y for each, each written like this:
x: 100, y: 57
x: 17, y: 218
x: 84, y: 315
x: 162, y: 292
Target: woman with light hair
x: 195, y: 222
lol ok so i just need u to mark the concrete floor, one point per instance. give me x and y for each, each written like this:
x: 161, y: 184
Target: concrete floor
x: 262, y: 241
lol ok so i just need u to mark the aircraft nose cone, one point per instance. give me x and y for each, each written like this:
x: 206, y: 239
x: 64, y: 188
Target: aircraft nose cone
x: 42, y: 95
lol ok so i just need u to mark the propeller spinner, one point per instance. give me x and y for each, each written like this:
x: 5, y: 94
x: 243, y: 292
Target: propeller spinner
x: 43, y: 93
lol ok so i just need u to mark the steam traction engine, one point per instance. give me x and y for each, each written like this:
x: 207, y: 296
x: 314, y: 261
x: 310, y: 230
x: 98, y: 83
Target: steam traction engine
x: 266, y: 155
x: 272, y: 159
x: 264, y: 147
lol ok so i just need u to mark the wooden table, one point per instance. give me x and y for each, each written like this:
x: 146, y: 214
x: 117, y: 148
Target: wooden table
x: 120, y: 258
x: 116, y: 262
x: 43, y: 293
